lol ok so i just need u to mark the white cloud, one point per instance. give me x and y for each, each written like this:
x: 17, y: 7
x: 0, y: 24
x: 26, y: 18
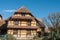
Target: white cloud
x: 9, y: 10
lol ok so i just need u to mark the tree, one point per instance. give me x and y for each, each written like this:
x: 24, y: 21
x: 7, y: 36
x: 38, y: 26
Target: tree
x: 2, y: 37
x: 7, y: 37
x: 53, y: 24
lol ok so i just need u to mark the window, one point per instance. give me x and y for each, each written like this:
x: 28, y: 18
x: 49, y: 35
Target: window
x: 28, y: 32
x: 29, y: 23
x: 15, y: 32
x: 16, y: 22
x: 23, y: 14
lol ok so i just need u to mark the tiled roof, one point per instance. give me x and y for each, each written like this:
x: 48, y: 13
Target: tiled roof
x: 2, y: 22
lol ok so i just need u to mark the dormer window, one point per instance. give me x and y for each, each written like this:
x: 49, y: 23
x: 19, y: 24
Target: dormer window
x: 23, y: 14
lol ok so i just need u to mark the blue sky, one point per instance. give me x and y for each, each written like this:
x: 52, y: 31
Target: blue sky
x: 39, y: 8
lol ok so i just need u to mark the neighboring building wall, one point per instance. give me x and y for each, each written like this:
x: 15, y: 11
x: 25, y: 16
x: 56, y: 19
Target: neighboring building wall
x: 0, y: 18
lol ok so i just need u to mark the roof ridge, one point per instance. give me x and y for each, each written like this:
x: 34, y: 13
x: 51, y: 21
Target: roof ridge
x: 22, y: 9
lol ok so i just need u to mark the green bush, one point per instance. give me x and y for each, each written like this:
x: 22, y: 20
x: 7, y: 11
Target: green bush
x: 10, y: 37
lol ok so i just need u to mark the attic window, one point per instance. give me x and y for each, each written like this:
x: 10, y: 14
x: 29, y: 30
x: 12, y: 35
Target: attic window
x: 23, y: 14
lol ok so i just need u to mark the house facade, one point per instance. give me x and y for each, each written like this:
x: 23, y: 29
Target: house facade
x: 22, y: 24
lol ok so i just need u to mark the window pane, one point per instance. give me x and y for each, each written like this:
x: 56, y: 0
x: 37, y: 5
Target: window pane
x: 23, y: 14
x: 29, y: 23
x: 16, y: 22
x: 28, y: 32
x: 15, y: 32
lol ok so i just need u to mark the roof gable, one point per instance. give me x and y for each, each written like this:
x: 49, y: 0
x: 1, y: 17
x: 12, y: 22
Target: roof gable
x: 23, y: 9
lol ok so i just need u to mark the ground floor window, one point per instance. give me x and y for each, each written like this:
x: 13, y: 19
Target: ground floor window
x: 15, y: 32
